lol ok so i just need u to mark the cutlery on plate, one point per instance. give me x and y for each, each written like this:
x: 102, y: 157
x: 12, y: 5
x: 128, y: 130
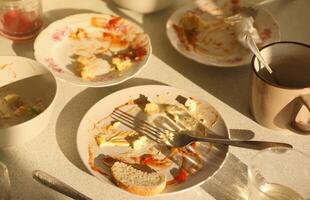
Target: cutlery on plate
x: 248, y: 36
x: 58, y: 185
x: 183, y: 138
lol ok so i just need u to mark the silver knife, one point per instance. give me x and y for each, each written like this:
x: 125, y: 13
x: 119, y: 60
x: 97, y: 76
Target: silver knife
x: 58, y: 185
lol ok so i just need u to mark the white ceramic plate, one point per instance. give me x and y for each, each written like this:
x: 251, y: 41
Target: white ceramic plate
x: 98, y: 115
x: 221, y: 47
x: 56, y: 49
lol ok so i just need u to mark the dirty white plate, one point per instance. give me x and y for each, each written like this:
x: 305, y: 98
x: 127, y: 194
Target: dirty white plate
x: 212, y: 156
x: 219, y: 46
x: 55, y: 48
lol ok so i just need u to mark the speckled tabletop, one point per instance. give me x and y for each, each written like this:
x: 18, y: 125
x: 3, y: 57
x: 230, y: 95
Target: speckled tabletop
x: 54, y: 150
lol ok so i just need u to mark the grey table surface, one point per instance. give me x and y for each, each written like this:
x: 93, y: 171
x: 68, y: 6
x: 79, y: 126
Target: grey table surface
x: 54, y: 150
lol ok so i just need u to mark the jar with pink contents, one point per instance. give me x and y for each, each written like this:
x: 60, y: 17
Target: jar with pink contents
x: 20, y: 19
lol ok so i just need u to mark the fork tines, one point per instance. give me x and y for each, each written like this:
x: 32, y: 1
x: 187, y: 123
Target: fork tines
x: 138, y: 125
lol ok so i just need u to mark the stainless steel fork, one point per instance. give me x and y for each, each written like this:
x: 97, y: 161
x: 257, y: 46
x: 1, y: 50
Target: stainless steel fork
x: 183, y: 138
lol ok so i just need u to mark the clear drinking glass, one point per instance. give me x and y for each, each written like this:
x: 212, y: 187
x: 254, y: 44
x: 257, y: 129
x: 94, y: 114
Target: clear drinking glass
x: 279, y: 174
x: 5, y: 186
x: 20, y: 19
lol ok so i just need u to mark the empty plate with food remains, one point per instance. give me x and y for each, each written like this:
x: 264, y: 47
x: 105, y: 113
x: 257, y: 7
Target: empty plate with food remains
x: 201, y: 33
x: 117, y: 154
x: 94, y: 50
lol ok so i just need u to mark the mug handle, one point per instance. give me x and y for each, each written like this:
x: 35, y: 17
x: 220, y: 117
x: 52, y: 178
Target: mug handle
x: 302, y: 119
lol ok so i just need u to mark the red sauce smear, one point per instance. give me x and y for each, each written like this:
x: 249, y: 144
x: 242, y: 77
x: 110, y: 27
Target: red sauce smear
x: 150, y: 160
x: 113, y: 23
x: 235, y: 1
x: 265, y: 34
x: 186, y: 37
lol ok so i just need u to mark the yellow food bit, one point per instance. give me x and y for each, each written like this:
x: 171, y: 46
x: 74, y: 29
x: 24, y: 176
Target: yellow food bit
x: 98, y: 22
x: 151, y: 108
x: 86, y: 74
x: 140, y: 143
x: 13, y: 100
x: 115, y: 124
x: 100, y: 140
x: 190, y: 104
x: 78, y: 34
x: 167, y: 137
x: 84, y: 67
x: 121, y: 64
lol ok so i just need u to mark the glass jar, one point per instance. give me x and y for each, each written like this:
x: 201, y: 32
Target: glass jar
x: 20, y: 19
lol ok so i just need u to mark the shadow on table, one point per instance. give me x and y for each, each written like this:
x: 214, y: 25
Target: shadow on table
x: 66, y: 126
x: 25, y: 48
x: 27, y: 188
x: 230, y: 182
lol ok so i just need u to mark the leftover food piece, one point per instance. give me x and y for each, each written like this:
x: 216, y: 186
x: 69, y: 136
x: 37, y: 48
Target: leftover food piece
x: 140, y: 143
x: 112, y: 126
x: 98, y: 22
x: 37, y: 108
x: 100, y: 140
x: 190, y: 104
x: 112, y: 137
x: 121, y: 63
x: 167, y: 136
x: 80, y: 33
x: 119, y: 140
x: 21, y: 111
x: 4, y: 115
x: 13, y: 100
x: 14, y: 109
x: 85, y: 64
x: 115, y: 124
x: 151, y: 108
x: 116, y: 46
x: 146, y: 183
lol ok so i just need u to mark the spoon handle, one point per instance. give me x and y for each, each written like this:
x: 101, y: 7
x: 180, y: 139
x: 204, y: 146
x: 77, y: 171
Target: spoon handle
x: 58, y: 185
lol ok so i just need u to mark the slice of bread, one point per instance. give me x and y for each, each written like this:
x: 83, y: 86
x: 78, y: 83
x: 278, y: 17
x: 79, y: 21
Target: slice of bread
x: 137, y: 181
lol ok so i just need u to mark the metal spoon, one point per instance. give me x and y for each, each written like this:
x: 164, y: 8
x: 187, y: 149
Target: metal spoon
x: 57, y: 185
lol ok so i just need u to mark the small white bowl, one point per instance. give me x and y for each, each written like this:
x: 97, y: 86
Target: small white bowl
x: 144, y: 6
x: 30, y: 80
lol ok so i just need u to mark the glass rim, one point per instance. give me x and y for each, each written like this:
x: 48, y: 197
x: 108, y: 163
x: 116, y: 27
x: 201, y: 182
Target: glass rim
x: 274, y: 148
x: 251, y: 166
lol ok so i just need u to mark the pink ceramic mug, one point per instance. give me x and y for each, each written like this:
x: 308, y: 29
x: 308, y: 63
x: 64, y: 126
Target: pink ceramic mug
x: 281, y: 100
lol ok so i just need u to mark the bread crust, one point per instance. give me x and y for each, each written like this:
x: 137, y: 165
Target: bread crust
x: 141, y: 190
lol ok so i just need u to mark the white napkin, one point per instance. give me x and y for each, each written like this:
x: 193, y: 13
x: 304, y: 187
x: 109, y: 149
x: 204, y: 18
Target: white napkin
x: 245, y: 26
